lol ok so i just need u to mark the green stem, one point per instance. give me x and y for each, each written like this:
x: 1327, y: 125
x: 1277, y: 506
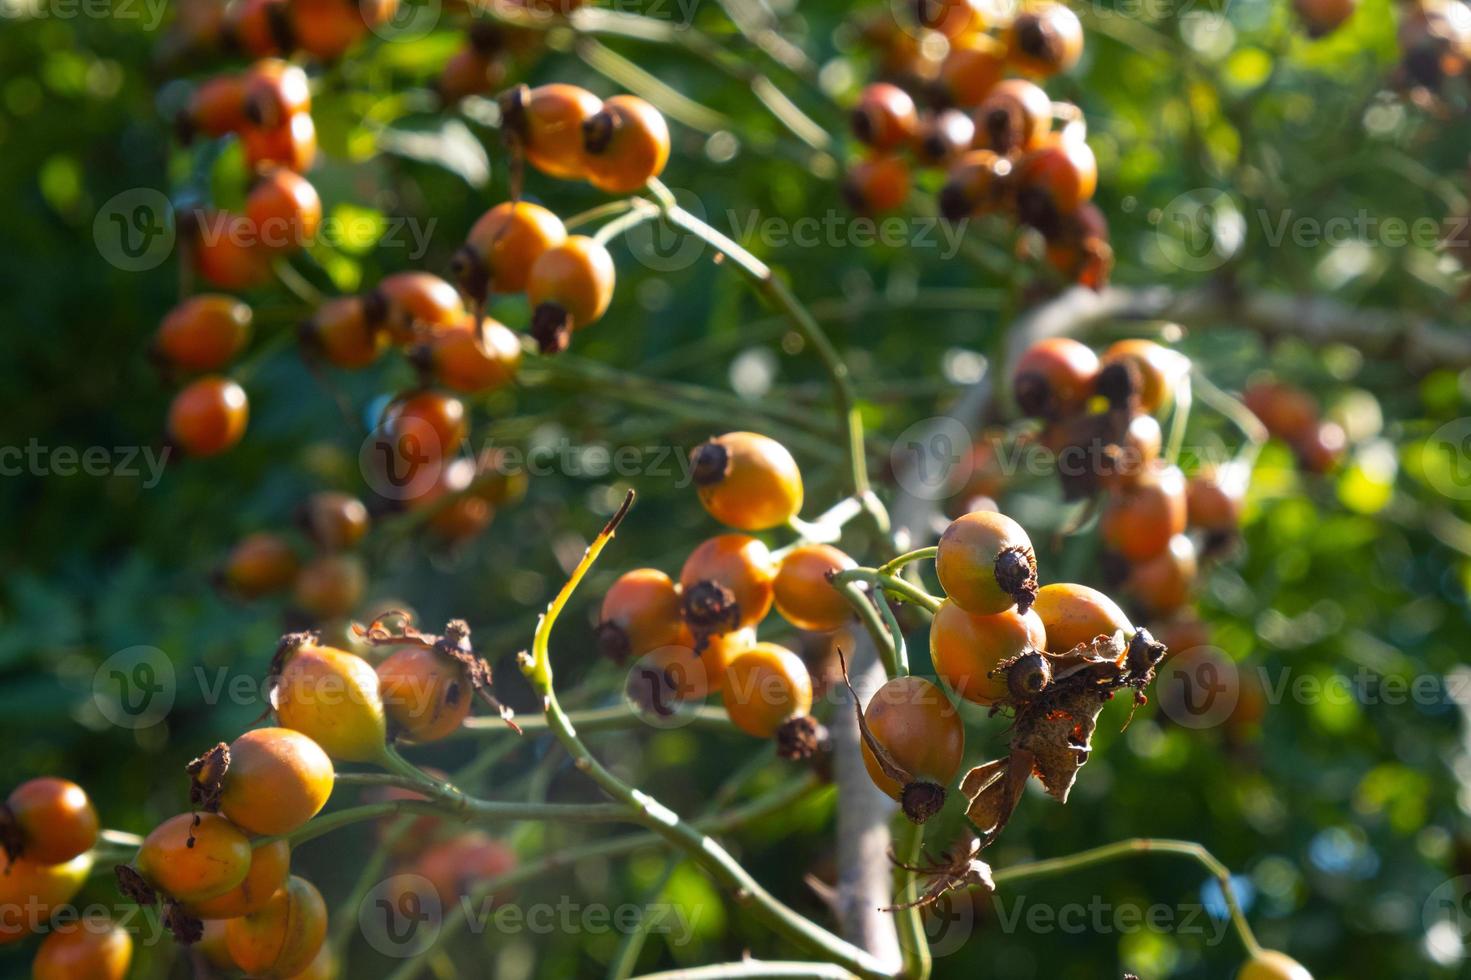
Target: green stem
x: 705, y: 851
x: 601, y: 719
x: 754, y: 968
x: 609, y: 210
x: 777, y: 293
x: 625, y: 961
x: 480, y: 811
x: 776, y: 801
x: 868, y: 614
x: 893, y: 585
x: 642, y: 212
x: 913, y: 943
x: 668, y: 100
x: 827, y: 529
x: 120, y: 838
x: 1179, y: 418
x: 892, y: 566
x: 1132, y: 848
x: 1232, y: 408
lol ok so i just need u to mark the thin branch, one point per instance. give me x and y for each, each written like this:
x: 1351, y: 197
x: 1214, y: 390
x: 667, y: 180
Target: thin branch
x: 1132, y: 848
x: 705, y: 851
x: 776, y: 291
x: 753, y: 968
x: 1419, y: 341
x: 776, y: 801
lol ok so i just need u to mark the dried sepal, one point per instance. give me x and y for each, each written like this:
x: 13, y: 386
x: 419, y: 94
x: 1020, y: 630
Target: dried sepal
x: 454, y: 644
x: 207, y: 778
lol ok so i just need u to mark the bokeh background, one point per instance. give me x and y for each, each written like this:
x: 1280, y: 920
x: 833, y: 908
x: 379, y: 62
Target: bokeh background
x: 1343, y: 812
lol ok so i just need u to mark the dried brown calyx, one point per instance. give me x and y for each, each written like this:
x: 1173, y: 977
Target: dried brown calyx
x: 1119, y: 382
x: 134, y: 886
x: 958, y: 866
x: 454, y: 644
x: 711, y: 464
x: 186, y: 928
x: 207, y: 778
x: 1052, y: 738
x: 710, y: 608
x: 801, y: 737
x: 613, y: 642
x: 1053, y: 732
x: 1016, y: 573
x: 1038, y: 40
x: 598, y: 130
x: 470, y: 273
x: 551, y: 326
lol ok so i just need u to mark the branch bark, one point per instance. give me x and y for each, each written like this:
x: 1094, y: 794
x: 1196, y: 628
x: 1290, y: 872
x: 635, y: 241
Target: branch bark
x: 865, y: 874
x: 1419, y: 341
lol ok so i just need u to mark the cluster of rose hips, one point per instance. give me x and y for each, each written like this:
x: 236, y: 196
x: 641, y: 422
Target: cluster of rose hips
x: 323, y: 30
x: 268, y: 107
x: 1435, y: 49
x: 200, y: 336
x: 994, y: 641
x: 327, y: 586
x: 221, y: 871
x: 1291, y: 414
x: 48, y: 829
x: 515, y: 247
x: 697, y: 636
x: 993, y: 135
x: 1101, y: 415
x: 480, y: 65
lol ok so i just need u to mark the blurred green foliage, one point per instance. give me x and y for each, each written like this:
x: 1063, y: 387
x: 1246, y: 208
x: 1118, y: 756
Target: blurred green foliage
x: 1340, y: 816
